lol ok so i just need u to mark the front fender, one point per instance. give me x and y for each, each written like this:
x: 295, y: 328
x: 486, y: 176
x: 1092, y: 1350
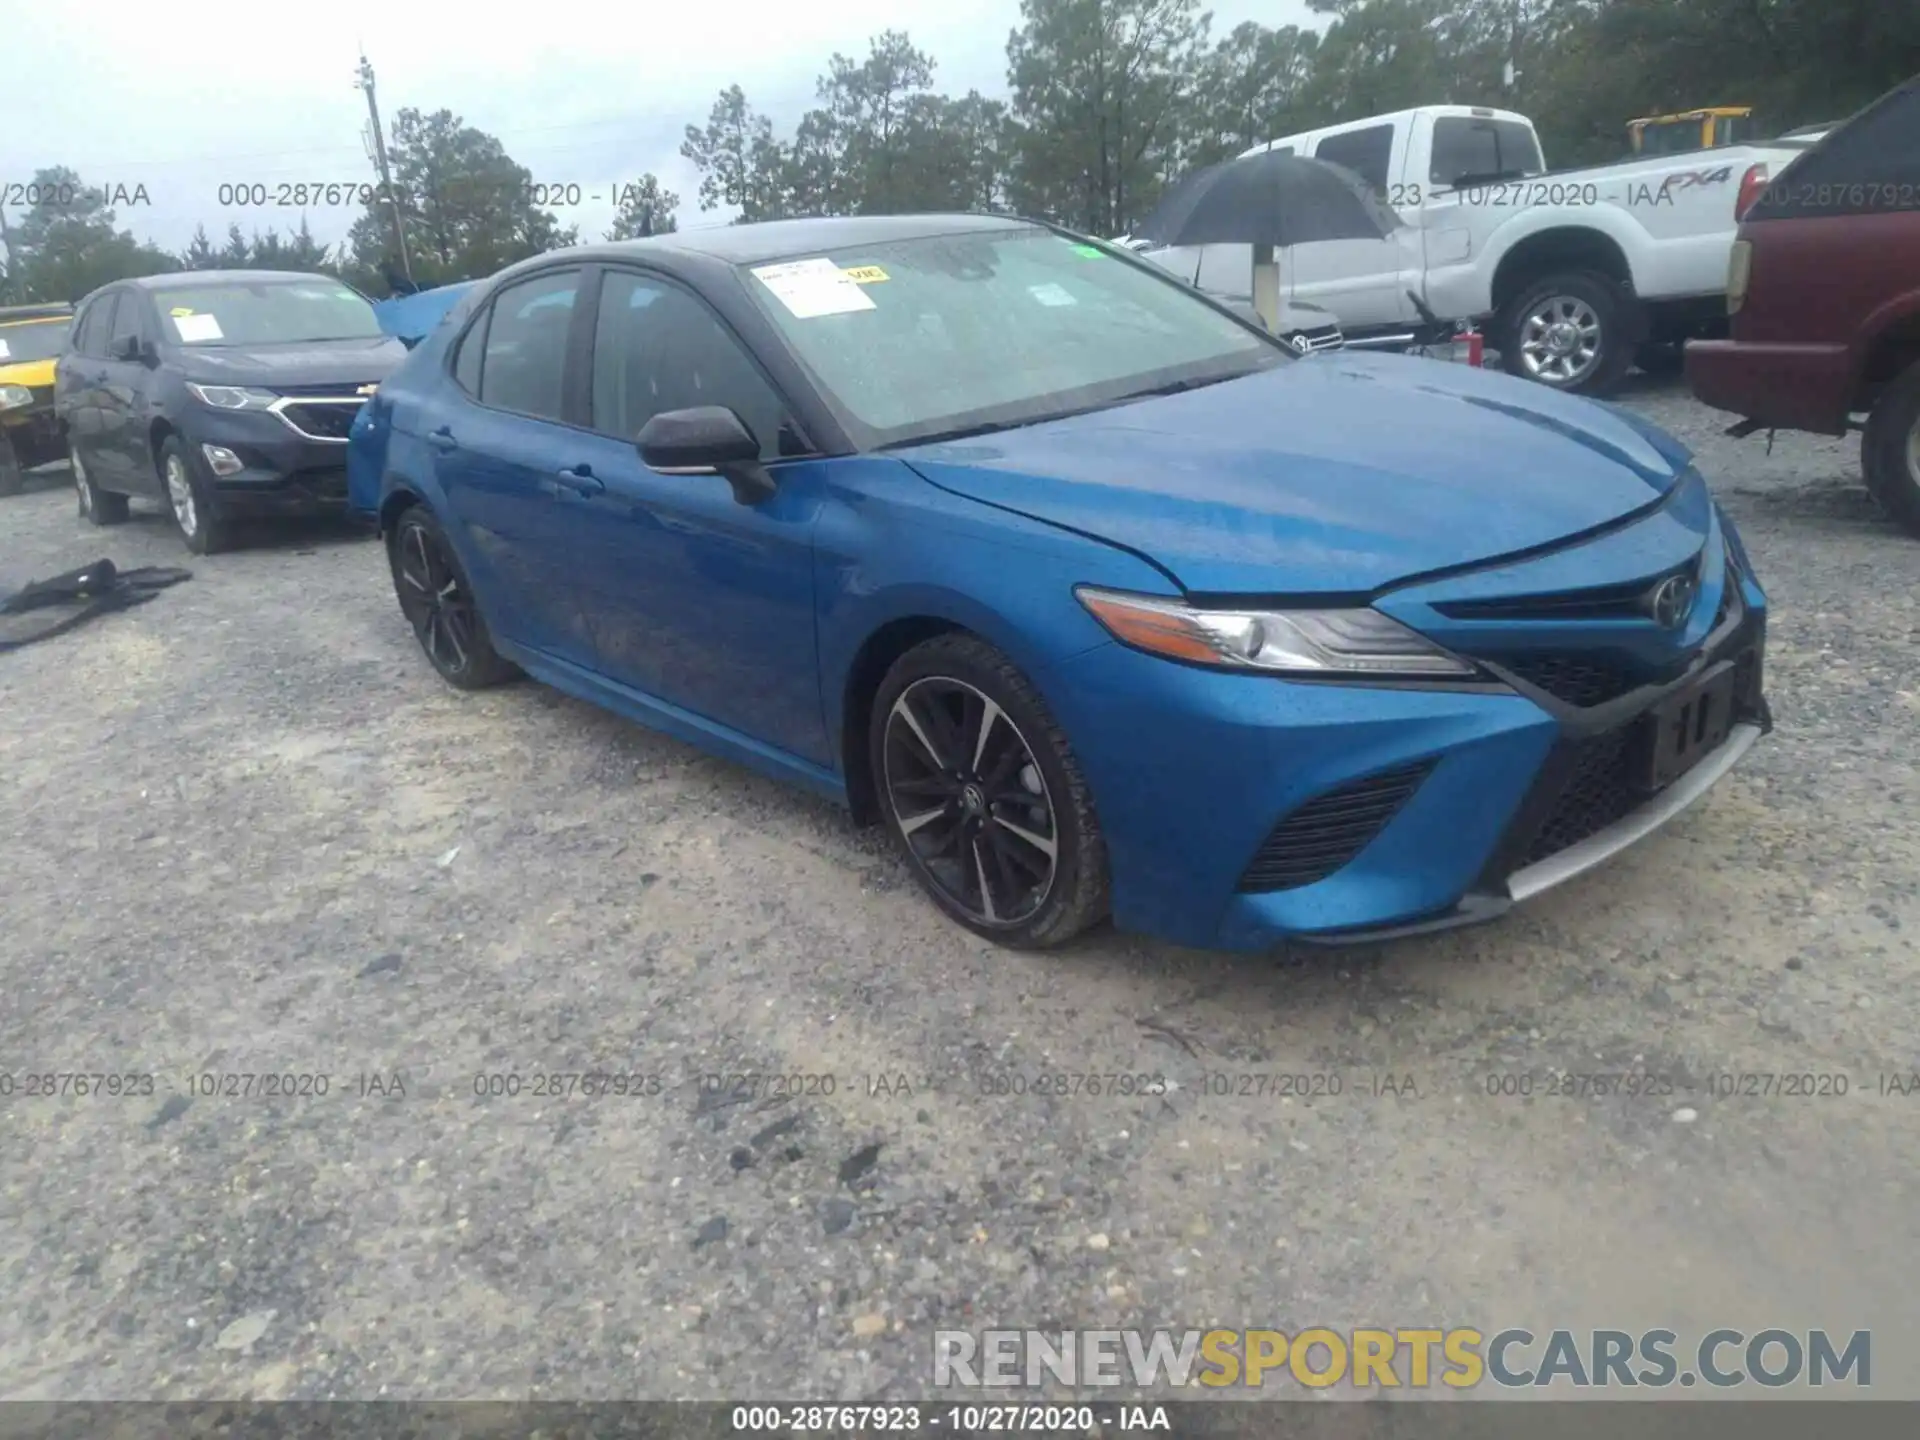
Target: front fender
x: 898, y: 549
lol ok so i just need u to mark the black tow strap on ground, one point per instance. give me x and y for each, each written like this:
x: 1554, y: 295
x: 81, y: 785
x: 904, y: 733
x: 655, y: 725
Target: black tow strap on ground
x: 90, y: 591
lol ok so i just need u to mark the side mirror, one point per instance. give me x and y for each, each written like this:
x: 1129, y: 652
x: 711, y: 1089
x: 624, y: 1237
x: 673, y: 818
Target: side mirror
x: 706, y: 440
x: 133, y: 349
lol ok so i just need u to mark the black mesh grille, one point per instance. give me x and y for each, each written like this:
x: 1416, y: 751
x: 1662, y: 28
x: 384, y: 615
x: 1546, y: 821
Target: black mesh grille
x: 1610, y: 602
x: 1330, y: 829
x: 332, y: 421
x: 1599, y: 790
x: 1572, y: 679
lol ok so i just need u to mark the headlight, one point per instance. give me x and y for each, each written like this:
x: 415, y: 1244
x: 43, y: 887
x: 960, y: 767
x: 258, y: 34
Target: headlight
x: 12, y: 397
x: 231, y: 397
x: 1350, y: 641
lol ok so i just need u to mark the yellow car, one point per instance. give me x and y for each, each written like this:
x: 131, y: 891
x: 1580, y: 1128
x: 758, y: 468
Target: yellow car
x: 31, y: 339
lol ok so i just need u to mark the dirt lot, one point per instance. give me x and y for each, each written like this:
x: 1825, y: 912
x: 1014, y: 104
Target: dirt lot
x: 245, y: 829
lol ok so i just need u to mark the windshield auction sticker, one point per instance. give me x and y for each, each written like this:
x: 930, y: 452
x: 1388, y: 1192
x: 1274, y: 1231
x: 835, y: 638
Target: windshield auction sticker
x: 810, y: 288
x: 194, y: 328
x: 865, y: 274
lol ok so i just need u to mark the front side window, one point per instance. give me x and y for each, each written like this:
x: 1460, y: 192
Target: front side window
x: 982, y: 330
x: 523, y: 364
x: 91, y: 339
x: 265, y: 312
x: 126, y: 323
x: 656, y: 347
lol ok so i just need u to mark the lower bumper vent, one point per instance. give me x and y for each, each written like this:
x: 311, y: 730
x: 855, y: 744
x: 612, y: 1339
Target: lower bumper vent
x: 1330, y: 829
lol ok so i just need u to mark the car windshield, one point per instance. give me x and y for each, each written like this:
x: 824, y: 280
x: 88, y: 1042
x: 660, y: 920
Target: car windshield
x: 940, y: 336
x: 275, y: 312
x: 33, y: 340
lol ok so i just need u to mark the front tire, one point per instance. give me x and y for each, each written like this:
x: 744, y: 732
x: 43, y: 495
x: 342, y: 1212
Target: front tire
x: 1569, y: 331
x: 94, y: 505
x: 1890, y: 451
x: 437, y: 599
x: 981, y: 791
x: 191, y: 501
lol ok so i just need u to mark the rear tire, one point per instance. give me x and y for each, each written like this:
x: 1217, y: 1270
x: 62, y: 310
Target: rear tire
x: 1570, y: 331
x: 95, y: 506
x: 191, y: 500
x: 980, y: 790
x: 1890, y: 451
x: 437, y: 599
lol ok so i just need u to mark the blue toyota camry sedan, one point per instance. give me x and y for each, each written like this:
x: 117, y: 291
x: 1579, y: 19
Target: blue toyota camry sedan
x: 1101, y: 600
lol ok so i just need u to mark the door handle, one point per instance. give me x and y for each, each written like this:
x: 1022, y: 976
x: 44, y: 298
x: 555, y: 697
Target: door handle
x: 442, y: 439
x: 581, y: 482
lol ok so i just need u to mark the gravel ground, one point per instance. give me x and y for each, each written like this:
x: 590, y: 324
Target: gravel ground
x: 246, y: 829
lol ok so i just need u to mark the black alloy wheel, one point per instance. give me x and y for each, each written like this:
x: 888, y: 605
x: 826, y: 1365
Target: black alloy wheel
x: 438, y: 602
x: 983, y: 794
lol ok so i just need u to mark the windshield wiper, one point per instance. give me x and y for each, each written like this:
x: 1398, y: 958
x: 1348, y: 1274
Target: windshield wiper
x: 1175, y: 387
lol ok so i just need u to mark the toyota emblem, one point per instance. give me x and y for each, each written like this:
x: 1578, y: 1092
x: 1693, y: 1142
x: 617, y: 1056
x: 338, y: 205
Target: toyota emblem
x: 1671, y: 601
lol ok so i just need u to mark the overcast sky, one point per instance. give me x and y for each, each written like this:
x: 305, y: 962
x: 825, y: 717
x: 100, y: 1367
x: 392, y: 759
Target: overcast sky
x: 587, y: 94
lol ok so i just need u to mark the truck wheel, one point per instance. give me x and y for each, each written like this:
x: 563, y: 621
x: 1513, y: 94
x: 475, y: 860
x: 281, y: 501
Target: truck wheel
x: 1890, y: 451
x: 1568, y: 331
x: 12, y: 478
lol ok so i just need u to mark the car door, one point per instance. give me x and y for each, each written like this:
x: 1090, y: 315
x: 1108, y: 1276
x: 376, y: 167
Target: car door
x: 81, y: 374
x: 1364, y: 282
x: 496, y: 446
x: 694, y: 597
x: 123, y: 395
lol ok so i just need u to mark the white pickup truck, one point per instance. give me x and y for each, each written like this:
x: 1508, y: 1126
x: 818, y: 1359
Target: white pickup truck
x: 1572, y: 273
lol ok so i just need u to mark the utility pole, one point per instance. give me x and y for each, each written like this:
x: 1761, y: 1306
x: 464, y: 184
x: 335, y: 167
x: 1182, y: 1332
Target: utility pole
x: 365, y: 82
x: 11, y: 283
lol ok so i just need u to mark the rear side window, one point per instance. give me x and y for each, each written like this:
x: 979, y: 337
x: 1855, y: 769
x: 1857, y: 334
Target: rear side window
x: 1467, y: 150
x: 1869, y: 166
x: 523, y: 366
x: 1368, y: 153
x: 466, y: 364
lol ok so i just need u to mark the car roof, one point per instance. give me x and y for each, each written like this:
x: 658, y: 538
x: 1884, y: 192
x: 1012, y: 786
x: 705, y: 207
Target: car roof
x: 770, y: 240
x: 221, y: 277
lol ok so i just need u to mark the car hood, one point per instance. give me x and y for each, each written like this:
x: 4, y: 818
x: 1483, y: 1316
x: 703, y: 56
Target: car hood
x: 319, y: 362
x: 1340, y: 473
x: 31, y: 373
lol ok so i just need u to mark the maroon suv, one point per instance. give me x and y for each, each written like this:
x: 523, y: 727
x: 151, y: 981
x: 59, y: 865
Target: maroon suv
x: 1825, y: 299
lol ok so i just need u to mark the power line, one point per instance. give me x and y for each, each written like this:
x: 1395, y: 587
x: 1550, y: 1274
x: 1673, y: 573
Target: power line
x: 497, y: 133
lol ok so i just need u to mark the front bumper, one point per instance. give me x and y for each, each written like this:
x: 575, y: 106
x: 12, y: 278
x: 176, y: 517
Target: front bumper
x: 1193, y: 773
x: 1785, y: 387
x: 284, y: 473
